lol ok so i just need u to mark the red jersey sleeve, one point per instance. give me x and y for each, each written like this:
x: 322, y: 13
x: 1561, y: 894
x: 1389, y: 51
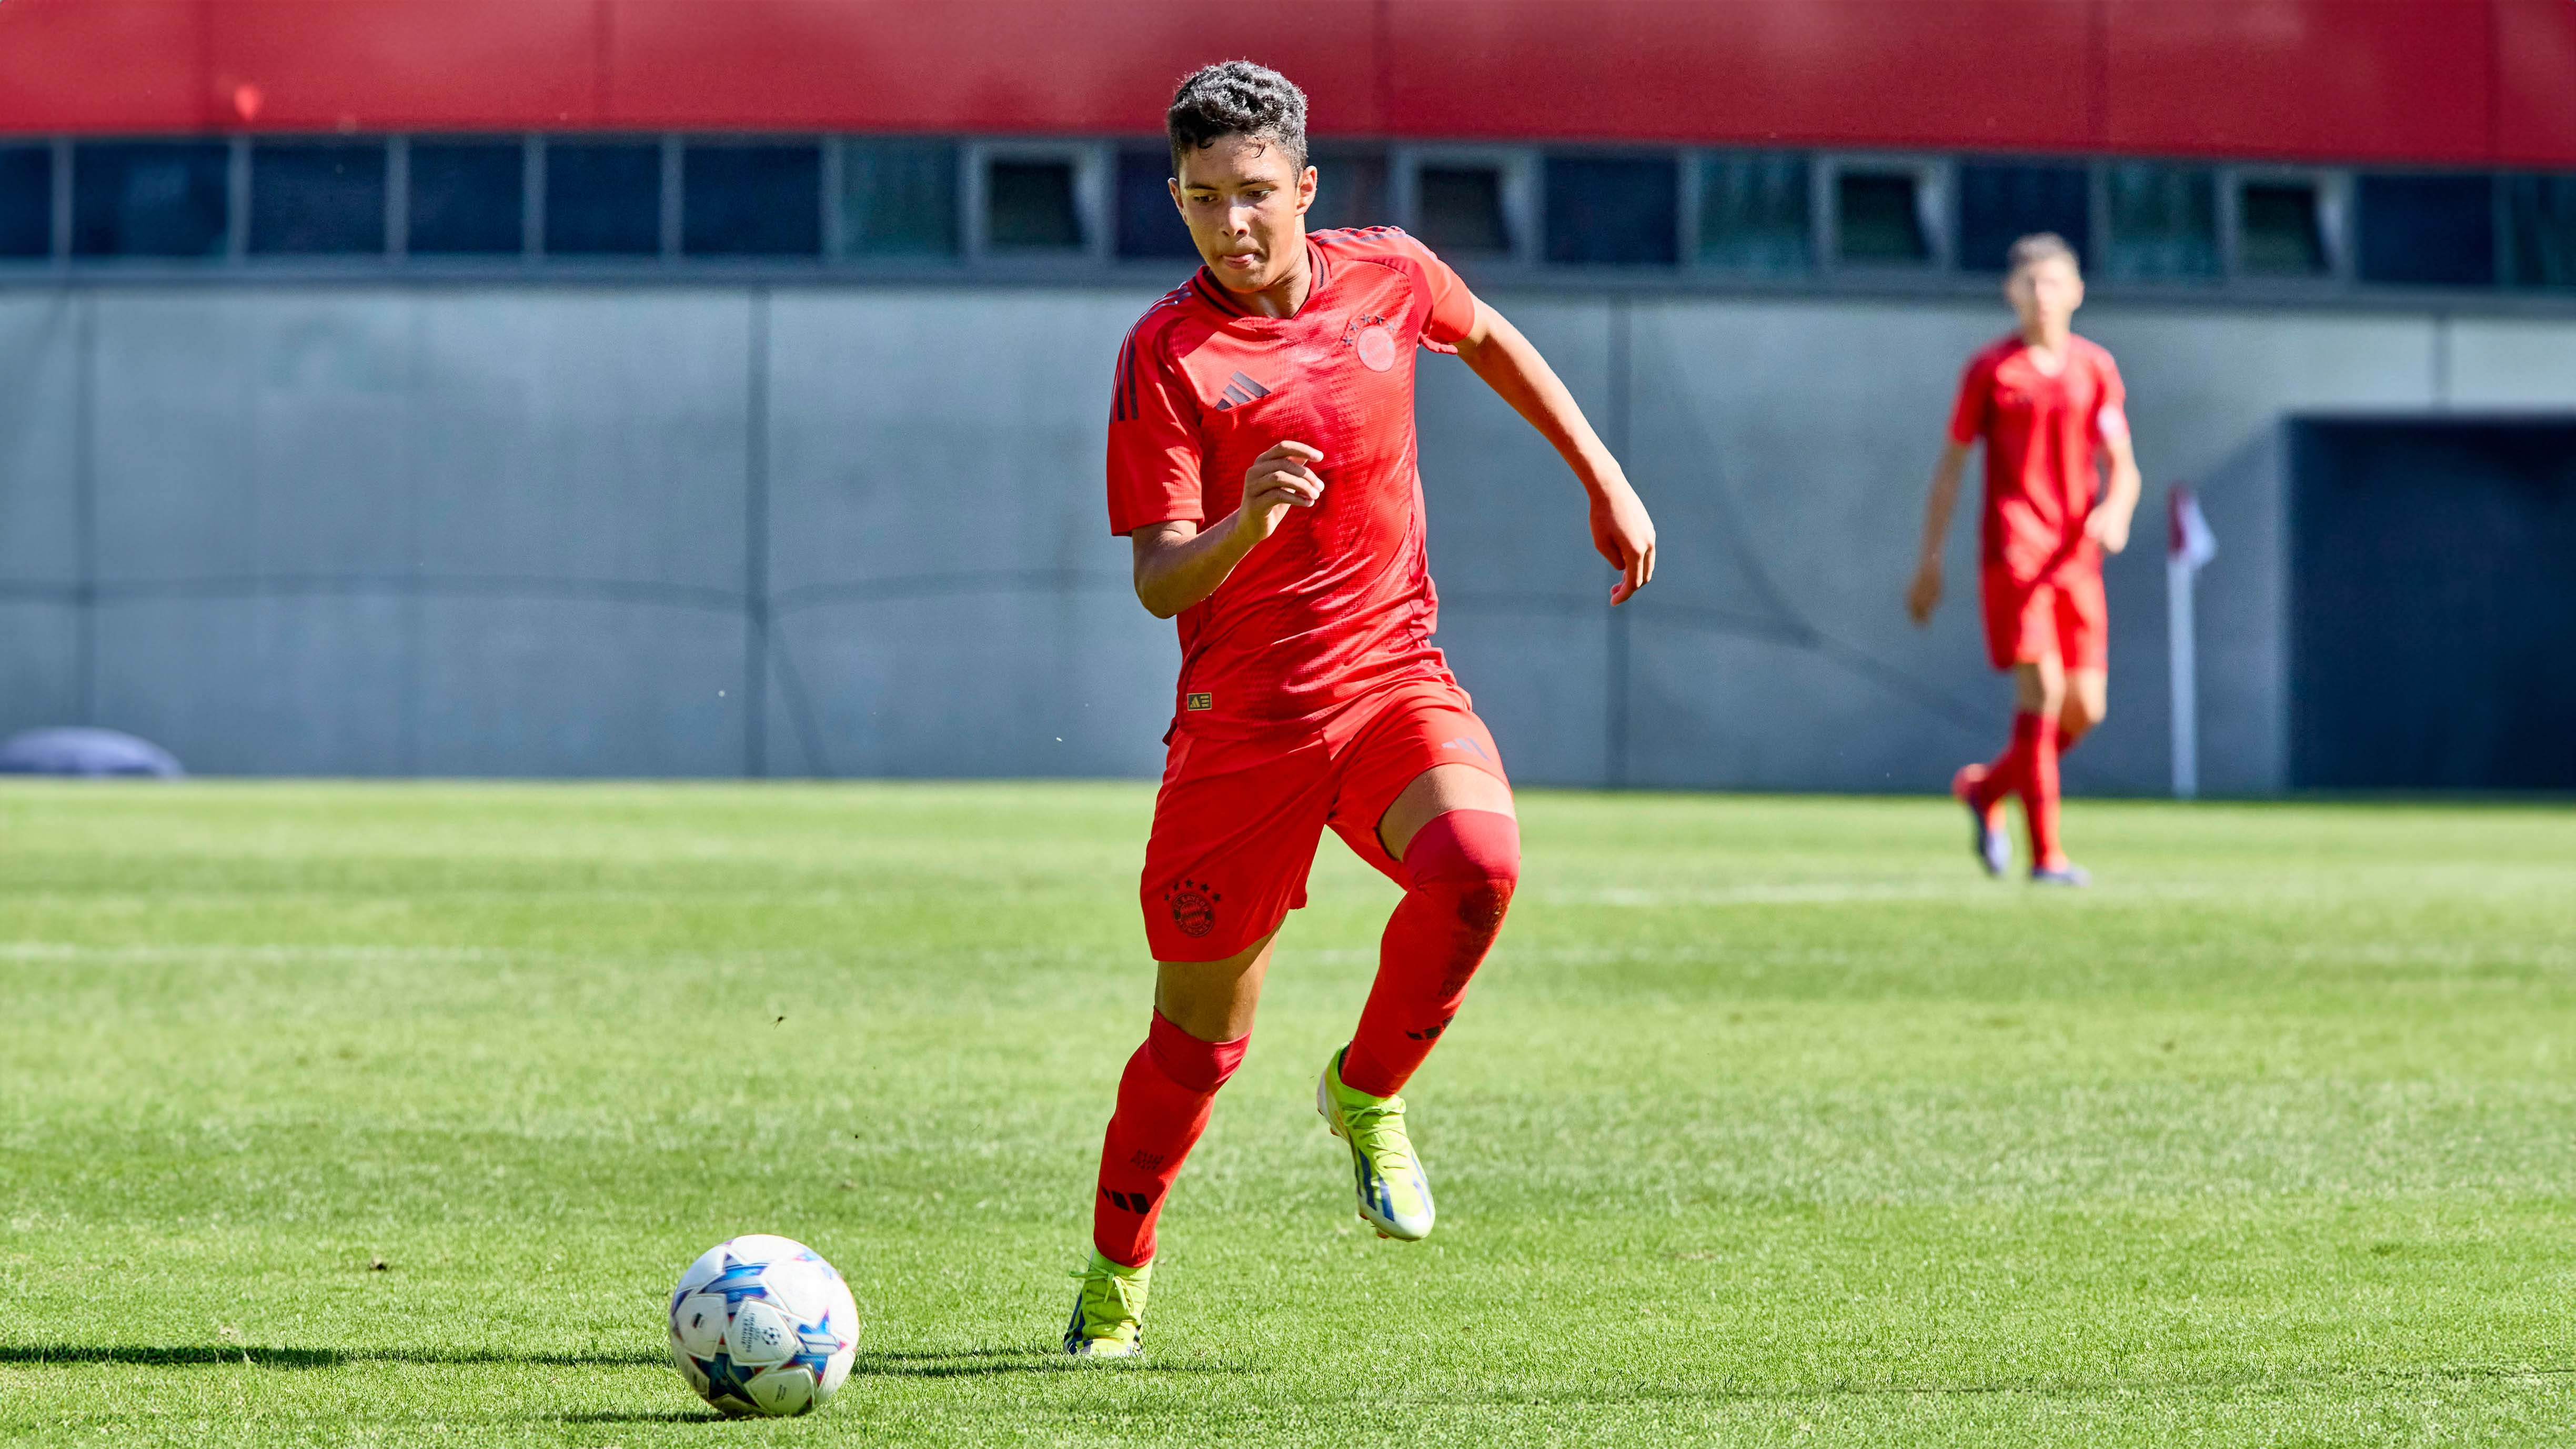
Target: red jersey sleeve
x: 1976, y: 401
x: 2111, y: 417
x: 1153, y: 441
x: 1452, y: 313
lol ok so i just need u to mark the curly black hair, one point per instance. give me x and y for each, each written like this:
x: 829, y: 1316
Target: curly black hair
x: 1237, y: 98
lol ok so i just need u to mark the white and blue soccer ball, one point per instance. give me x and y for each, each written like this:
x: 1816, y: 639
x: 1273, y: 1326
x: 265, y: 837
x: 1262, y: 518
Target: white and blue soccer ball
x: 762, y: 1325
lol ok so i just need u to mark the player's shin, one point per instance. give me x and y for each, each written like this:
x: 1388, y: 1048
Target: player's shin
x: 2010, y: 772
x: 1460, y: 869
x: 1164, y: 1099
x: 2039, y: 795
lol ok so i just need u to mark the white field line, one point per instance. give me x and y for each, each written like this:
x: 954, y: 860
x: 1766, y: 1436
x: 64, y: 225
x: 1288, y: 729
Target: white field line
x: 1766, y: 893
x: 79, y: 951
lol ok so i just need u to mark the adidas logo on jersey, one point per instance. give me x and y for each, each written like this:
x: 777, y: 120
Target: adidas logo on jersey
x: 1239, y: 390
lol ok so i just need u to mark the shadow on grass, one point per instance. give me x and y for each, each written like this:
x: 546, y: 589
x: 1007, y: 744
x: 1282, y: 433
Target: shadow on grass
x: 170, y: 1356
x: 953, y: 1364
x: 258, y: 1356
x: 988, y: 1362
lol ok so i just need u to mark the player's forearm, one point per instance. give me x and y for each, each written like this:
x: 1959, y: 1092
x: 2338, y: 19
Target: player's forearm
x: 1510, y: 365
x: 1944, y: 500
x: 1173, y: 573
x: 2126, y: 484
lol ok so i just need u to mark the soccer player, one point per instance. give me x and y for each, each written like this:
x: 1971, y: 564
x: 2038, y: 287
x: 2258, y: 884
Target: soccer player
x: 2048, y: 405
x: 1262, y: 461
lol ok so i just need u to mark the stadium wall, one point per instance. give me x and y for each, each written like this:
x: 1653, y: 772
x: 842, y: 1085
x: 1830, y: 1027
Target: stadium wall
x: 723, y: 530
x: 2457, y: 81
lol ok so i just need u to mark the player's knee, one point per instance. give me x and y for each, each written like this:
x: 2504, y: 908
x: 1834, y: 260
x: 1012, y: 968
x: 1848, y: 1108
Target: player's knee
x: 1473, y: 856
x: 1201, y: 1066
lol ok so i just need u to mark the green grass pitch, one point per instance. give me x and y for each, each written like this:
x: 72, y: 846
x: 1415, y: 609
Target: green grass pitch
x: 1770, y: 1122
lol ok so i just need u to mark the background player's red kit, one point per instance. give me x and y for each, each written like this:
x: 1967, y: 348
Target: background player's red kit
x: 1309, y: 691
x: 2041, y: 577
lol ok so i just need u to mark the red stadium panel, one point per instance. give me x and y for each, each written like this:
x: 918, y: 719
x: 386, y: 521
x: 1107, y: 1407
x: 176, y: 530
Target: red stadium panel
x: 2536, y: 82
x: 2353, y: 79
x: 2006, y: 73
x: 387, y: 64
x: 2437, y: 80
x: 102, y: 65
x: 1000, y: 65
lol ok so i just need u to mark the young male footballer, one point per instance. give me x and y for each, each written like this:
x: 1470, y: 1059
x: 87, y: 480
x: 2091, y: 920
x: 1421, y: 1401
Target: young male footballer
x: 1262, y: 461
x: 2048, y: 406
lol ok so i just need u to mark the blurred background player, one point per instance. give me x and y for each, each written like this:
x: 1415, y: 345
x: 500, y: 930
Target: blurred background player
x: 1262, y: 460
x: 2048, y: 406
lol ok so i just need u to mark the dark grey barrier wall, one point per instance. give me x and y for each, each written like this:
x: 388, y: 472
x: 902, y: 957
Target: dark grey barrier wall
x: 2433, y: 605
x: 726, y: 530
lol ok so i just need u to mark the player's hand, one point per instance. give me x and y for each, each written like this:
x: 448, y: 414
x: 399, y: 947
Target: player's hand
x: 1924, y: 594
x: 1625, y: 536
x: 2108, y: 527
x: 1277, y: 481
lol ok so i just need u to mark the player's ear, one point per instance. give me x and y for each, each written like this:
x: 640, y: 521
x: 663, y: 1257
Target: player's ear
x: 1305, y: 190
x: 1175, y: 183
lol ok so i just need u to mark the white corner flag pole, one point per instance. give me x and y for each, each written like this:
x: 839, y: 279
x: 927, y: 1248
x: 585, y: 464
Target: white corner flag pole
x: 2188, y: 545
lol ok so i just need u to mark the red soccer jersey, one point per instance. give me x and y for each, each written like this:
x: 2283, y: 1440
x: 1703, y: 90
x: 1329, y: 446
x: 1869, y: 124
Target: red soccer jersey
x: 1339, y: 600
x: 2040, y: 433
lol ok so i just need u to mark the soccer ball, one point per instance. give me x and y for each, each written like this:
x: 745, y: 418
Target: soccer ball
x: 762, y: 1325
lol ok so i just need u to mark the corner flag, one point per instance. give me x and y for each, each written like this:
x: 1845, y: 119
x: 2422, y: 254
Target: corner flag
x: 2188, y: 539
x: 2188, y: 545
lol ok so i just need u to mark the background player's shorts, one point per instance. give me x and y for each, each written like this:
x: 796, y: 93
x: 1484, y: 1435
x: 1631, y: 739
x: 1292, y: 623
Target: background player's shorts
x: 1238, y: 820
x: 2062, y: 617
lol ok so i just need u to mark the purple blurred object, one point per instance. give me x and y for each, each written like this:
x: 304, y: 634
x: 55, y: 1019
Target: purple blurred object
x: 89, y: 752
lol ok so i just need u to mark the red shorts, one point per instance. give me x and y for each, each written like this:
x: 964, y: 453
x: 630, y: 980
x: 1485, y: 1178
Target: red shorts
x: 2063, y: 617
x: 1238, y: 820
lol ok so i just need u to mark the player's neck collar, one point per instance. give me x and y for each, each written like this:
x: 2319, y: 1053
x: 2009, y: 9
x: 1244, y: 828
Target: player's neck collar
x: 1318, y: 270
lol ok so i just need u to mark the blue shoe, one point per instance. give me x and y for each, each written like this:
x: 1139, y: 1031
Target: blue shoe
x: 1986, y: 826
x: 2064, y: 873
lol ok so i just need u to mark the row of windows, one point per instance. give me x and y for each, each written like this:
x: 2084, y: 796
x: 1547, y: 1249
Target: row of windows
x: 926, y: 201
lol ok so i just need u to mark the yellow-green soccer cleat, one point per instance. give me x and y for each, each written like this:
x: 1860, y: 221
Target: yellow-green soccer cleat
x: 1395, y: 1195
x: 1109, y: 1310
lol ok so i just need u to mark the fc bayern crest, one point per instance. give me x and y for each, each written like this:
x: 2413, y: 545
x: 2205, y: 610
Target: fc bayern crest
x: 1193, y: 907
x: 1377, y: 348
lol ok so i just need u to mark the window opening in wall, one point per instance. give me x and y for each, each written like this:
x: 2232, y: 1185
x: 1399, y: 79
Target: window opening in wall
x: 1149, y: 226
x: 2164, y: 224
x: 1461, y: 209
x: 2428, y: 231
x: 1879, y: 218
x: 317, y: 198
x: 467, y: 198
x: 899, y: 199
x: 1032, y: 205
x: 2000, y: 204
x: 1754, y: 214
x: 603, y: 198
x: 751, y: 199
x: 1613, y: 210
x: 2280, y: 230
x: 2540, y: 230
x: 150, y: 198
x: 1350, y: 189
x: 26, y: 201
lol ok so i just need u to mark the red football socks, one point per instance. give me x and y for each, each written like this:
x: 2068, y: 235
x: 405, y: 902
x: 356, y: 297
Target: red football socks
x: 1461, y: 867
x: 2028, y: 768
x: 2039, y: 788
x: 1163, y: 1104
x: 2004, y: 777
